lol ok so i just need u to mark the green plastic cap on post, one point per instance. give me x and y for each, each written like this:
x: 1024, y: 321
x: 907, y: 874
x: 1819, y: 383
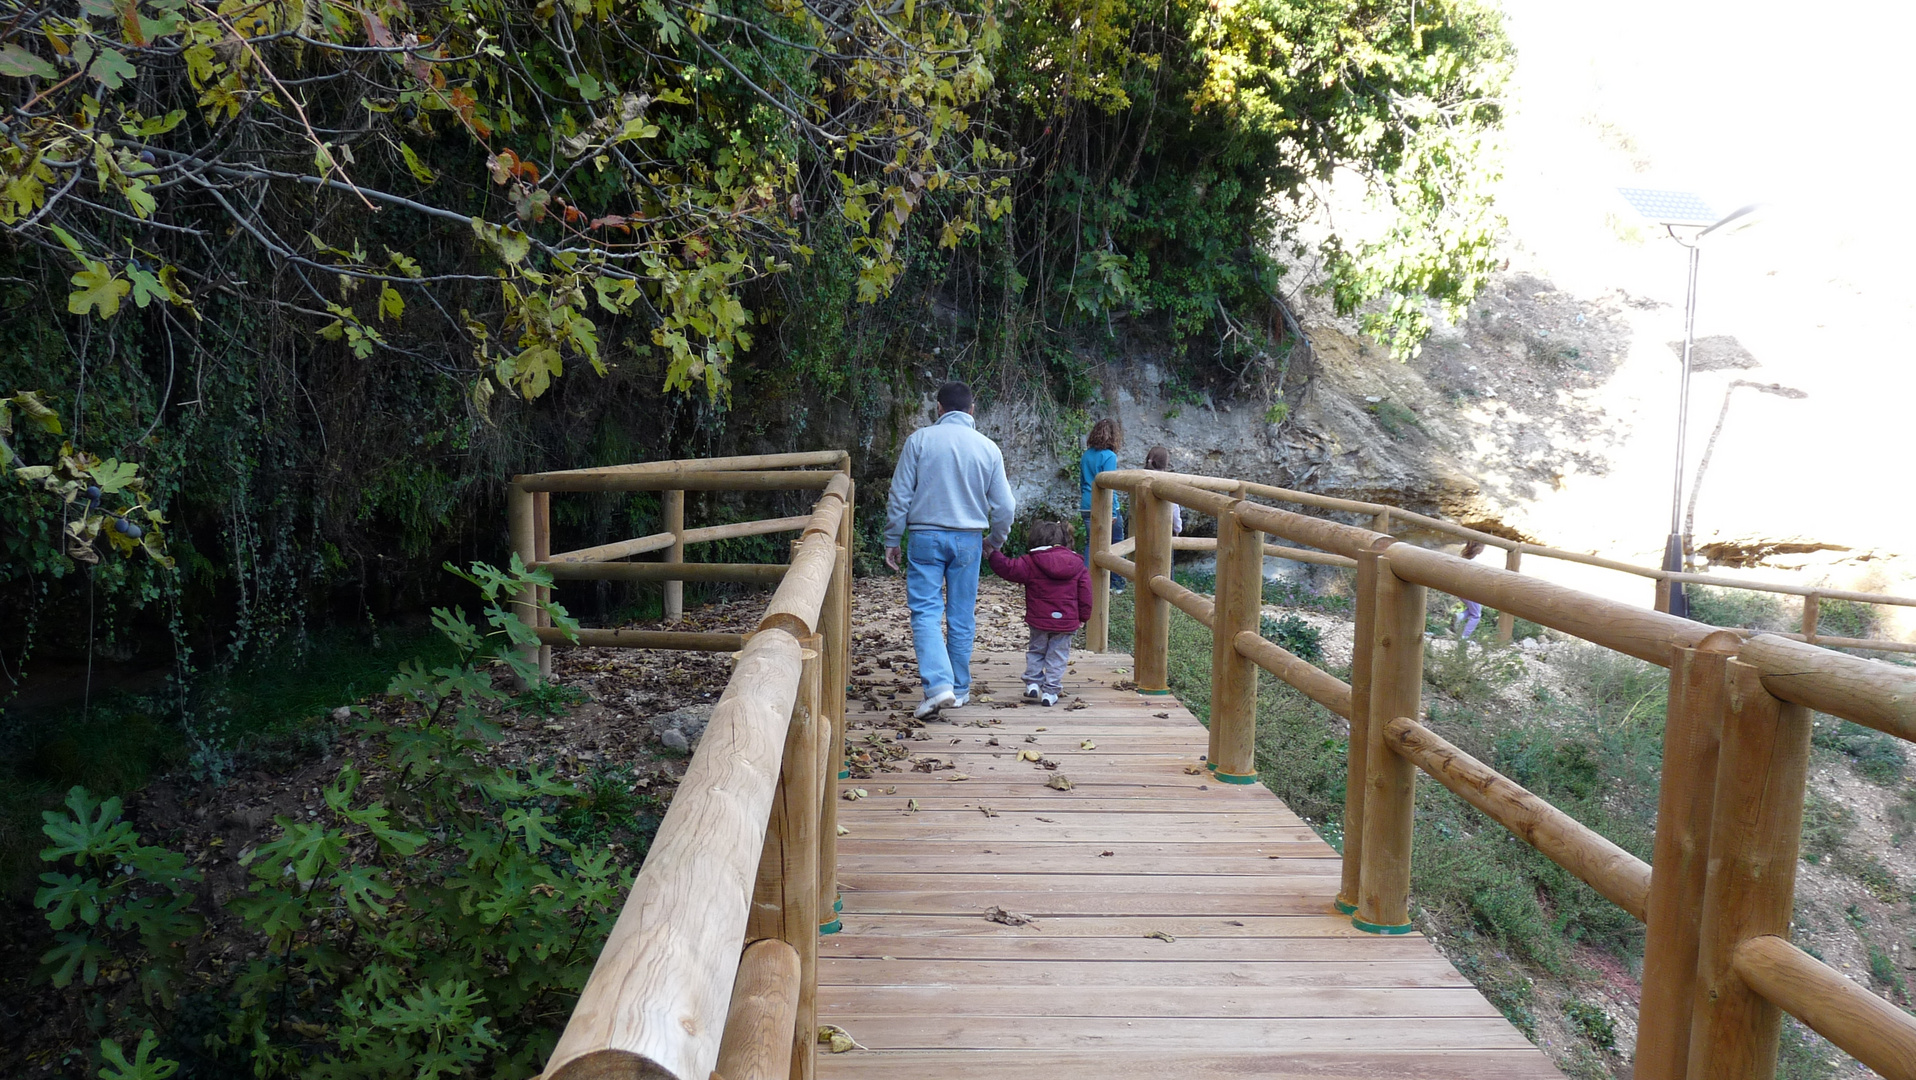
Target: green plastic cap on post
x: 1235, y: 778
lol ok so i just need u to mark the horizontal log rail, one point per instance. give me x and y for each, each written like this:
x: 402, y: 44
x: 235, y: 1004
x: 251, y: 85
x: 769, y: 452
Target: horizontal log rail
x: 1317, y: 684
x: 1128, y: 479
x: 736, y: 573
x: 683, y: 641
x: 839, y: 460
x: 1195, y: 604
x: 1864, y: 1026
x: 679, y: 480
x: 1734, y: 765
x: 745, y: 855
x: 1621, y: 877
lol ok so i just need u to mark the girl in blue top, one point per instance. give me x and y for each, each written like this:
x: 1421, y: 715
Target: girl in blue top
x: 1101, y: 455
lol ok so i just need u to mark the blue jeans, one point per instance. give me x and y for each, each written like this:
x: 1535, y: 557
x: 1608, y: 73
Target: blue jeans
x: 941, y: 588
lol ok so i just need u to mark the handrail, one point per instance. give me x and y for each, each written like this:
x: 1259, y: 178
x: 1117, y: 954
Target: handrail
x: 1735, y: 761
x: 1621, y: 877
x: 746, y: 854
x: 1126, y: 479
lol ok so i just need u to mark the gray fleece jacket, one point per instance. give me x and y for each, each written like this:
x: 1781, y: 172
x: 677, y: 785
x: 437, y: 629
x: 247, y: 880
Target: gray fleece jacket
x: 950, y: 477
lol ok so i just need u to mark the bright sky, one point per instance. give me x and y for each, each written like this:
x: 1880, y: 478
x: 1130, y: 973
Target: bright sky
x: 1802, y: 107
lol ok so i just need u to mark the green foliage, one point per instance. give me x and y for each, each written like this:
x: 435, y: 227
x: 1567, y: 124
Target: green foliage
x: 1876, y: 756
x: 1295, y: 636
x: 1883, y: 970
x: 1594, y: 1022
x: 1396, y: 420
x: 1826, y: 826
x: 1739, y: 608
x: 1469, y: 671
x: 427, y: 924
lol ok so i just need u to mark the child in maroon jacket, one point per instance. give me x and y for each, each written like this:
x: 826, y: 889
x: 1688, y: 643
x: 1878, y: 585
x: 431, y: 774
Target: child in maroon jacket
x: 1057, y: 602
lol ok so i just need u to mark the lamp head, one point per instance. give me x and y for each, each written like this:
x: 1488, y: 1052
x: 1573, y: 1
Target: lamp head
x: 1734, y: 222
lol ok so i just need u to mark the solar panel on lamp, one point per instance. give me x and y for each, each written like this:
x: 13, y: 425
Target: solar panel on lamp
x: 1669, y: 207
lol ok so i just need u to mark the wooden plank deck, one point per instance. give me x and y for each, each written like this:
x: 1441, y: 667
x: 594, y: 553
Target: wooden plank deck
x: 1261, y: 976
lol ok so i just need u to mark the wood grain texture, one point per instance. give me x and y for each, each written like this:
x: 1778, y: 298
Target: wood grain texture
x: 655, y: 998
x: 1864, y: 1026
x: 1397, y: 679
x: 764, y: 1013
x: 1181, y: 927
x: 1756, y: 827
x: 672, y: 511
x: 1679, y: 864
x: 1621, y: 877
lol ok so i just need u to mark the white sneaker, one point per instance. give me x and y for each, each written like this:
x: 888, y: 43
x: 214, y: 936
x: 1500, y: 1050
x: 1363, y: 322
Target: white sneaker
x: 1049, y: 700
x: 930, y: 706
x: 1031, y: 693
x: 960, y: 703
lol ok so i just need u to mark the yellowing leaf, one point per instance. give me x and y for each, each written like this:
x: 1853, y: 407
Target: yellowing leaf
x: 415, y: 166
x: 96, y: 287
x: 1087, y: 745
x: 1160, y: 935
x: 391, y: 306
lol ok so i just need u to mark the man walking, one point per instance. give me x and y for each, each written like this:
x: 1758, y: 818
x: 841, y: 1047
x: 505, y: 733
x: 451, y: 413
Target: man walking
x: 949, y: 490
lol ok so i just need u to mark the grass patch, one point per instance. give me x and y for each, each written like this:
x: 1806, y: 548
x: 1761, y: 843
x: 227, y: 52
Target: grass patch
x: 1471, y: 673
x: 1826, y: 827
x: 1876, y: 756
x: 1741, y: 608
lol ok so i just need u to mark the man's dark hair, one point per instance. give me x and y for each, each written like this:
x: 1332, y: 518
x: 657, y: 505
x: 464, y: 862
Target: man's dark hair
x: 954, y: 397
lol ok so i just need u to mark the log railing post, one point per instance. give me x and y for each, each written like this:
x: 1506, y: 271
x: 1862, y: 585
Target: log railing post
x: 1397, y: 676
x: 1380, y: 521
x: 1357, y: 750
x: 542, y: 550
x: 1151, y: 626
x: 672, y: 506
x: 1506, y: 621
x: 1680, y: 859
x: 835, y: 621
x: 522, y: 534
x: 785, y: 897
x: 1756, y: 823
x: 1663, y: 594
x: 1812, y: 614
x: 1236, y: 609
x: 1097, y: 632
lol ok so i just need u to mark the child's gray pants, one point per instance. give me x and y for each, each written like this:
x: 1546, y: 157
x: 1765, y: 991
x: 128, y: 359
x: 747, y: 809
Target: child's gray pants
x: 1045, y: 659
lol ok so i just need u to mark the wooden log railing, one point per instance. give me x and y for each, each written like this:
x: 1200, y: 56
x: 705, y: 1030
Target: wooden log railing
x: 1384, y: 518
x: 712, y: 963
x: 1718, y: 970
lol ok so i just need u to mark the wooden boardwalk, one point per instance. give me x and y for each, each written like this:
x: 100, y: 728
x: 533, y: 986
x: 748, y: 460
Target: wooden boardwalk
x: 1181, y: 927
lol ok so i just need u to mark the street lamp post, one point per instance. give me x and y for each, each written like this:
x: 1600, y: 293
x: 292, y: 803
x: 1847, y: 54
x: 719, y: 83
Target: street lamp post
x: 1676, y: 210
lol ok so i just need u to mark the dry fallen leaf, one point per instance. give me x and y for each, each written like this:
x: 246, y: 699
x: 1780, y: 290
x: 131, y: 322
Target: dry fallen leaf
x: 988, y: 811
x: 1162, y: 715
x: 1078, y: 704
x: 1059, y: 782
x: 853, y: 794
x: 911, y: 806
x: 1049, y: 821
x: 843, y: 831
x: 1029, y: 755
x: 1037, y: 729
x: 958, y: 776
x: 888, y: 791
x: 838, y: 1038
x: 1031, y: 738
x: 1087, y: 745
x: 1008, y: 918
x: 1160, y: 935
x: 1194, y: 770
x: 1104, y: 854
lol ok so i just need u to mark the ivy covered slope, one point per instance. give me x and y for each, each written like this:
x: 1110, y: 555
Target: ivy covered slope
x: 320, y: 269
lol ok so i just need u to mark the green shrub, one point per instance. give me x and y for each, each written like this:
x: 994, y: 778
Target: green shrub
x: 1846, y: 618
x: 1876, y: 756
x: 432, y: 922
x: 1470, y: 672
x: 1396, y: 419
x: 1595, y: 1023
x: 1294, y: 636
x: 1826, y: 826
x: 1740, y: 608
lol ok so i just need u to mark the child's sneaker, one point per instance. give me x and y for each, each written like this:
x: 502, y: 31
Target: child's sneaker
x: 1049, y: 700
x: 1031, y: 693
